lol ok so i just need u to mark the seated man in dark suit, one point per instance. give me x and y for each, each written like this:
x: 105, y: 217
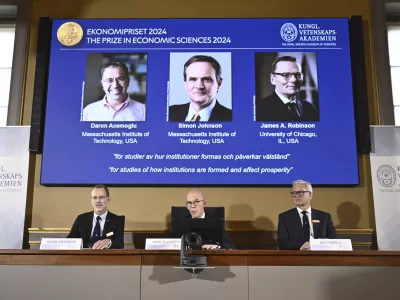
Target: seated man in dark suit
x: 202, y: 76
x: 99, y: 229
x: 284, y: 104
x: 195, y: 203
x: 300, y: 224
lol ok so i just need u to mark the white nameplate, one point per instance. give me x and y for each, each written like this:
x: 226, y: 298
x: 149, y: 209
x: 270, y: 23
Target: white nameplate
x: 163, y: 244
x: 60, y: 244
x: 331, y: 245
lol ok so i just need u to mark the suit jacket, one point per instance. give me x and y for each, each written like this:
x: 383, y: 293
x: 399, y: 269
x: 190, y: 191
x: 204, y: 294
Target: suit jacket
x: 226, y: 240
x: 178, y: 113
x: 273, y: 109
x: 82, y: 228
x: 290, y: 229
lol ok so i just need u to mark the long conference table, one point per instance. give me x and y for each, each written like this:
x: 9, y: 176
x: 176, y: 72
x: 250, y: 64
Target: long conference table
x: 236, y: 274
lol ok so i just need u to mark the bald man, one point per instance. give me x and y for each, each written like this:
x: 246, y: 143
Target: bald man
x: 195, y: 203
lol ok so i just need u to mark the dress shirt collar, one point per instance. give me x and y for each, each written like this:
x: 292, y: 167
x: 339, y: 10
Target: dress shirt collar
x: 284, y: 99
x: 202, y: 217
x: 126, y: 103
x: 204, y: 113
x: 103, y: 217
x: 300, y: 210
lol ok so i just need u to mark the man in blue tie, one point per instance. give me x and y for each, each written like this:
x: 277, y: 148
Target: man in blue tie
x: 297, y: 226
x: 99, y: 229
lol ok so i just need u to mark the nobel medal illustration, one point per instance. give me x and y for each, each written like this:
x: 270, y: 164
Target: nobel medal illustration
x: 70, y: 34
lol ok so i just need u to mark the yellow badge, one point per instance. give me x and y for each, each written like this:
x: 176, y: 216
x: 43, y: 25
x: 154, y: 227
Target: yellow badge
x: 110, y: 233
x: 315, y: 221
x: 70, y: 34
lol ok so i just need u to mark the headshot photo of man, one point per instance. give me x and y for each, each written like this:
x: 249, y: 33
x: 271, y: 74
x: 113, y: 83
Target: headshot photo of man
x: 291, y: 89
x: 203, y: 83
x: 118, y: 84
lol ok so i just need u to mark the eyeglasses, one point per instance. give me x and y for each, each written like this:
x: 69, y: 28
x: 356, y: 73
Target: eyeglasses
x: 195, y: 202
x: 296, y: 75
x: 299, y: 193
x: 100, y: 198
x: 120, y: 80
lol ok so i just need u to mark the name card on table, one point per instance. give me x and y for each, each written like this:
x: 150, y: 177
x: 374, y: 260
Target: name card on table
x: 60, y: 244
x: 163, y: 244
x: 331, y: 245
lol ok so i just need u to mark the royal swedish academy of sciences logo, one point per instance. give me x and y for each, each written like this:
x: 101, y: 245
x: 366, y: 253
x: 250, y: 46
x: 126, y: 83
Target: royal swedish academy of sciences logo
x: 69, y: 34
x: 288, y: 32
x: 386, y: 175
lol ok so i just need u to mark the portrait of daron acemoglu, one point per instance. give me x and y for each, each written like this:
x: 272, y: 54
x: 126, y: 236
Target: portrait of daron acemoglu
x: 119, y: 81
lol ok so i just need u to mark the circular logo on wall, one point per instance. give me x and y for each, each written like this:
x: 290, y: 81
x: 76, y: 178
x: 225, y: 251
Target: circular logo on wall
x: 288, y: 32
x: 386, y: 175
x: 70, y: 34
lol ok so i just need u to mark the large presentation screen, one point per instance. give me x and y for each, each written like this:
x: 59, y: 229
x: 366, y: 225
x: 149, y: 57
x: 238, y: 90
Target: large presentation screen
x: 199, y: 102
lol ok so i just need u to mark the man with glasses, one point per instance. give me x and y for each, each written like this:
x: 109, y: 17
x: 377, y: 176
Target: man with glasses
x: 116, y: 106
x: 99, y: 229
x: 195, y: 203
x: 284, y: 104
x: 297, y: 226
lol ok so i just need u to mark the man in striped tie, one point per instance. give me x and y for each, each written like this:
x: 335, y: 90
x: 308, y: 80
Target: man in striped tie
x: 203, y: 80
x: 100, y: 228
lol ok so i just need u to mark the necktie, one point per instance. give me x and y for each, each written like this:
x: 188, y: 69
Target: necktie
x: 196, y: 117
x: 96, y: 232
x: 306, y: 227
x: 293, y: 110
